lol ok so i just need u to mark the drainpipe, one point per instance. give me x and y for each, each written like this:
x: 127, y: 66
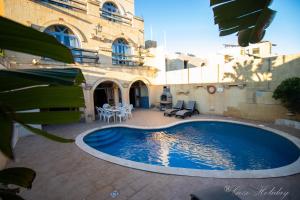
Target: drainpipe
x: 188, y: 68
x: 218, y: 73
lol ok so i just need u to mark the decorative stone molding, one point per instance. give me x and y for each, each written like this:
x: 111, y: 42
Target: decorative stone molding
x: 125, y: 85
x: 88, y: 86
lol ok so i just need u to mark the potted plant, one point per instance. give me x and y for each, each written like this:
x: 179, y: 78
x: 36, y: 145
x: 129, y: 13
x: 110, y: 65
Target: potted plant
x: 288, y: 92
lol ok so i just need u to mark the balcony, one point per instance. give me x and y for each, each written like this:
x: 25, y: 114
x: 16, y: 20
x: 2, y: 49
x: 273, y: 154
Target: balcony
x: 77, y: 5
x: 82, y: 56
x: 115, y: 17
x: 126, y: 60
x: 81, y: 6
x: 85, y: 56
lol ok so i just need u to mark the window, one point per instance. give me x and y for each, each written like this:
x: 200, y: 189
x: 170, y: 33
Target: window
x: 185, y: 64
x: 109, y: 10
x: 64, y: 35
x: 255, y: 51
x: 121, y: 52
x: 61, y: 3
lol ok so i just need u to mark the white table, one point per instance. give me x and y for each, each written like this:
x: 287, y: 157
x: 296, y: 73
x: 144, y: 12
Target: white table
x: 114, y: 111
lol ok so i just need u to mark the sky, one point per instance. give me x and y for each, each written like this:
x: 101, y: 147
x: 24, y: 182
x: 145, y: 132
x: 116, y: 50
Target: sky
x: 188, y: 26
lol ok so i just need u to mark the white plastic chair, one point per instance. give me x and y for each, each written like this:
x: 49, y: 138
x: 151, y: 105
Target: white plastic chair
x: 122, y: 114
x: 106, y: 105
x: 101, y: 113
x: 129, y: 111
x: 109, y: 115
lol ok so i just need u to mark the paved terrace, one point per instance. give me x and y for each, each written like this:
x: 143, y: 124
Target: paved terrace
x: 66, y: 172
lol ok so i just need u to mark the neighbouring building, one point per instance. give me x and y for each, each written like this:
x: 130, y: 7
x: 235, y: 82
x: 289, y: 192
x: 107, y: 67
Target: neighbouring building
x: 108, y: 45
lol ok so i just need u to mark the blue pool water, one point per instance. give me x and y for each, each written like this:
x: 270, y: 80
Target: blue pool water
x: 198, y: 145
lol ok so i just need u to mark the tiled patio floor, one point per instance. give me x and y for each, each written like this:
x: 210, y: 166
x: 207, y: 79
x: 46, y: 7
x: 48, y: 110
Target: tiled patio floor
x: 66, y: 172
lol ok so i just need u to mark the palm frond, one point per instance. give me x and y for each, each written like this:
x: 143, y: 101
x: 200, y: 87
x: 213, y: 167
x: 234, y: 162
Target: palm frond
x: 17, y: 37
x: 249, y: 18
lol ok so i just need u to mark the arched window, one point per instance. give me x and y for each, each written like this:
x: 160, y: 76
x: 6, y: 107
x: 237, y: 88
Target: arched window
x: 108, y: 11
x: 64, y: 35
x: 121, y: 52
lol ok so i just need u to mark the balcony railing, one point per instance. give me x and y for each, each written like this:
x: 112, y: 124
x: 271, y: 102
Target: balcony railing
x: 81, y: 56
x: 78, y: 5
x: 115, y: 17
x: 85, y: 55
x: 127, y: 60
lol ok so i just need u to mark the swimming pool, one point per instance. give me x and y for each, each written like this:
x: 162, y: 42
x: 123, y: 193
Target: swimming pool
x: 195, y: 147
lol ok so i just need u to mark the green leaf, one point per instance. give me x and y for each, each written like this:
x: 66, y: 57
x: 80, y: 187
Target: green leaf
x: 248, y: 18
x: 19, y: 176
x: 6, y: 133
x: 10, y: 80
x: 17, y: 37
x: 244, y: 21
x: 44, y: 97
x: 288, y: 92
x: 46, y: 134
x: 244, y: 36
x: 234, y: 9
x: 52, y: 117
x: 263, y: 22
x: 69, y: 76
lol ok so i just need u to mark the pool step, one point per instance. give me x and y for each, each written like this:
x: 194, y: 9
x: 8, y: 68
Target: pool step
x: 107, y: 142
x: 102, y: 139
x: 96, y: 138
x: 101, y: 133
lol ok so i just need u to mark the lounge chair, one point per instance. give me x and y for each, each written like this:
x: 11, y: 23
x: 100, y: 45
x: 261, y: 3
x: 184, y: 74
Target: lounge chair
x: 177, y: 107
x: 188, y: 111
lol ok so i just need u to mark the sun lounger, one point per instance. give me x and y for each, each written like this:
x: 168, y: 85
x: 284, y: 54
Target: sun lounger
x: 188, y: 111
x: 177, y: 107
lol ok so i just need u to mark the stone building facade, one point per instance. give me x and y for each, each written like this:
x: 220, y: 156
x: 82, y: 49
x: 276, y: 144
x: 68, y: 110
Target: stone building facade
x: 107, y: 41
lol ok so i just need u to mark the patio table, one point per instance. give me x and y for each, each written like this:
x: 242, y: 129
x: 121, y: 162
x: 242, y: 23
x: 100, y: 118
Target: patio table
x: 114, y: 110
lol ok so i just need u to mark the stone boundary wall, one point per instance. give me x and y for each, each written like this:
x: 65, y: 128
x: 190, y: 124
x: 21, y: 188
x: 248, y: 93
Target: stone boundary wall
x: 241, y: 101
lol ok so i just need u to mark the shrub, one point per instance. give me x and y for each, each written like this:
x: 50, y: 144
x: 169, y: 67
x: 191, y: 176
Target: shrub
x: 288, y: 92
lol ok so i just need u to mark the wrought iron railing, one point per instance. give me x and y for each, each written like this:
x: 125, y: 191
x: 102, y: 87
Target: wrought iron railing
x: 128, y: 60
x: 78, y: 5
x: 85, y: 55
x: 81, y: 56
x: 115, y: 17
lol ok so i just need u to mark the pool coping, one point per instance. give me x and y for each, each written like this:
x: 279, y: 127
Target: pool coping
x: 291, y: 169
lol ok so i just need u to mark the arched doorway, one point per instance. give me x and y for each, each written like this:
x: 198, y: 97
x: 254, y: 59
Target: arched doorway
x: 139, y: 95
x: 107, y: 92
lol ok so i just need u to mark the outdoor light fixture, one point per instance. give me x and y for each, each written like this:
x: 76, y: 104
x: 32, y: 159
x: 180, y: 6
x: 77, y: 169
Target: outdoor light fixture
x: 98, y: 29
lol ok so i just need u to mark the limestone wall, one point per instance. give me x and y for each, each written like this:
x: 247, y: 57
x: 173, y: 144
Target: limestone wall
x: 245, y: 86
x: 268, y: 72
x: 231, y: 100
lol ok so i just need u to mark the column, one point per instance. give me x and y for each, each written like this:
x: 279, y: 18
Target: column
x: 89, y: 103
